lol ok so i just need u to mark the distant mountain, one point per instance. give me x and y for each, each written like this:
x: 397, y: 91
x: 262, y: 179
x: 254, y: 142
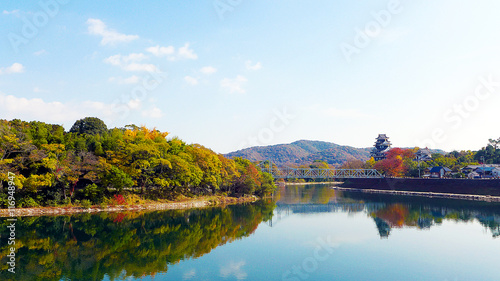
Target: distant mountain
x: 303, y: 152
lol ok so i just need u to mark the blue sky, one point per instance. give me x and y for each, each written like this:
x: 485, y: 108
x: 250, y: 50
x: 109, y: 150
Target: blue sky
x: 230, y: 74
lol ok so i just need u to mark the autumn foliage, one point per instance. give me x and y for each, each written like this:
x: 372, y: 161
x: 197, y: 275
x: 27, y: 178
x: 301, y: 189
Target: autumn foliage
x: 393, y: 165
x: 96, y: 164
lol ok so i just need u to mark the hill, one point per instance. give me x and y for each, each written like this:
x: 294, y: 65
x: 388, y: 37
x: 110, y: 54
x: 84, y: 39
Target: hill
x: 303, y: 152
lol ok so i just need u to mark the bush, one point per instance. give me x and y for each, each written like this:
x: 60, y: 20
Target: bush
x: 118, y: 199
x: 86, y: 203
x: 4, y: 202
x: 67, y: 201
x: 28, y: 202
x: 92, y: 192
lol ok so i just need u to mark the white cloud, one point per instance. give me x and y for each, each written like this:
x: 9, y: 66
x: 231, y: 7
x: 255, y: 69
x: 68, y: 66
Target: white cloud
x: 109, y: 36
x: 189, y: 274
x: 250, y: 66
x: 131, y: 62
x: 5, y: 12
x: 14, y: 68
x: 39, y: 53
x: 114, y: 60
x: 130, y: 80
x: 161, y: 51
x: 186, y: 53
x: 191, y: 80
x: 155, y: 112
x: 134, y: 103
x: 234, y: 85
x: 182, y: 53
x: 57, y: 112
x: 208, y: 70
x: 234, y: 269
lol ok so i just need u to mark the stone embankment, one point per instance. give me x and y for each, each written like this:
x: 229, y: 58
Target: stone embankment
x: 470, y: 189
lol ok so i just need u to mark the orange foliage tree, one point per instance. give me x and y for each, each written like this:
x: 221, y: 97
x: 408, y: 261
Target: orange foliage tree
x: 393, y: 165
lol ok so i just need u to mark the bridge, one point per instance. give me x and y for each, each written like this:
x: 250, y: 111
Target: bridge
x: 316, y: 173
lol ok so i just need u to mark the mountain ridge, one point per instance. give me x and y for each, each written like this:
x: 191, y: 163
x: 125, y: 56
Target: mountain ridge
x: 303, y: 152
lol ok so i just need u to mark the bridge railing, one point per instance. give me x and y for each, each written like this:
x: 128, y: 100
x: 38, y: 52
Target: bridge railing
x: 315, y: 173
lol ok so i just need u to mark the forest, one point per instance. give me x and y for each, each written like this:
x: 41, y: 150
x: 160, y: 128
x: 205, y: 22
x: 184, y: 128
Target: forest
x: 91, y: 164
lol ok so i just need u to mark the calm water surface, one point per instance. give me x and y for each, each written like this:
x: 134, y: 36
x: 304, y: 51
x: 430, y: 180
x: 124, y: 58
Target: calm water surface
x: 306, y: 233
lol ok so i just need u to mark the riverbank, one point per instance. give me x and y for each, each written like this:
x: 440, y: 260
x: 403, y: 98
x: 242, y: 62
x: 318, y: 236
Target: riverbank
x: 476, y: 189
x: 485, y: 198
x: 309, y: 183
x: 195, y: 203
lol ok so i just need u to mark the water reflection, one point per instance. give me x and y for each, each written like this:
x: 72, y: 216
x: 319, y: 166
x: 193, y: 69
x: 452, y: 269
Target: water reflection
x: 388, y: 211
x: 263, y: 240
x: 120, y: 245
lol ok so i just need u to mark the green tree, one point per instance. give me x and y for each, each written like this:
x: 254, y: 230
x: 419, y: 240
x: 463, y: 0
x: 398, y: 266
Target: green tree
x: 89, y: 125
x: 116, y: 178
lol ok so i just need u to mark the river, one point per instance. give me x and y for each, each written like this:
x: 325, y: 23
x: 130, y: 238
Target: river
x: 310, y: 232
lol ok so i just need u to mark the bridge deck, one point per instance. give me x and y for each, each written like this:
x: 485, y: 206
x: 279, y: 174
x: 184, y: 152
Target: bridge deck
x: 303, y: 173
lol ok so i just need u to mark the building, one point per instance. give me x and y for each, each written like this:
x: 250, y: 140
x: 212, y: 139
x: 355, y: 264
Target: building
x: 439, y: 172
x: 488, y: 172
x: 482, y: 171
x: 382, y: 145
x: 423, y: 155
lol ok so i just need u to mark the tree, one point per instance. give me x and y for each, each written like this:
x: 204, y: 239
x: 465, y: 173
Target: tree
x: 352, y: 164
x: 209, y: 163
x: 89, y: 125
x: 369, y: 163
x: 319, y: 164
x: 116, y: 178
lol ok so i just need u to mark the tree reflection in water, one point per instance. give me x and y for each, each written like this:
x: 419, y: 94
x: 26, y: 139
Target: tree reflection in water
x: 119, y: 245
x: 388, y: 211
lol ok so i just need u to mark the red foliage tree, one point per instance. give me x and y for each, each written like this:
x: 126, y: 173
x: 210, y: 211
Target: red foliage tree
x: 393, y: 166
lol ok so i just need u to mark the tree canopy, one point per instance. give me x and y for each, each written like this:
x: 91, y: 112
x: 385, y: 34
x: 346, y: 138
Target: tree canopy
x: 89, y: 125
x: 93, y: 163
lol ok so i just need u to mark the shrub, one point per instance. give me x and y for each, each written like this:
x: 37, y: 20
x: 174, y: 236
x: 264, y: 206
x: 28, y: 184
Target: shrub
x: 86, y: 203
x: 28, y: 202
x: 67, y: 201
x: 118, y: 198
x: 92, y: 192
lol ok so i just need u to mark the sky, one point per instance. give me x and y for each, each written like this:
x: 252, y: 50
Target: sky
x: 230, y: 74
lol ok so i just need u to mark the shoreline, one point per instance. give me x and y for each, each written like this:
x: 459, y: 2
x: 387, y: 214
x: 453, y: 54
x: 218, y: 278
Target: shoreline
x: 471, y: 197
x: 196, y: 203
x: 310, y: 183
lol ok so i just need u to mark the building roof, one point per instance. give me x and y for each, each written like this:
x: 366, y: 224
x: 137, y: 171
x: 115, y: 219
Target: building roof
x: 424, y: 151
x: 486, y: 169
x: 473, y: 167
x: 438, y: 169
